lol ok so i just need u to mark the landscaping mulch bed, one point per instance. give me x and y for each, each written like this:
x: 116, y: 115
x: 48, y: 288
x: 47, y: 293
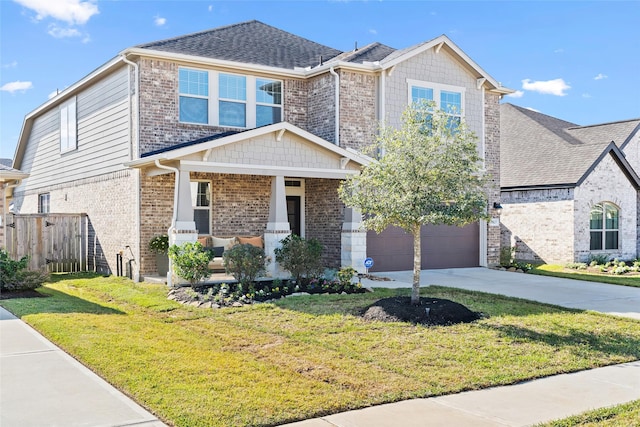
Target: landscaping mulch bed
x: 430, y: 311
x: 21, y: 294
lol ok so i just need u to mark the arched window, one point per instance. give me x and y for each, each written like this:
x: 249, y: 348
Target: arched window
x: 603, y: 224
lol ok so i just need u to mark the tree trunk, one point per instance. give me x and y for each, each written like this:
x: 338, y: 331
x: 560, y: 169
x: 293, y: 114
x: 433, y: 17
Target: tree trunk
x: 417, y: 265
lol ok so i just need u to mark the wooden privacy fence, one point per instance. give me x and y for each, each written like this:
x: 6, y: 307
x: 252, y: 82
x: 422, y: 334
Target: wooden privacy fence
x: 55, y: 242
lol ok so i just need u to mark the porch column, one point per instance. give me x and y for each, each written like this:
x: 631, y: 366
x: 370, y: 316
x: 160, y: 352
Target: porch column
x: 353, y: 241
x: 184, y: 229
x: 278, y: 226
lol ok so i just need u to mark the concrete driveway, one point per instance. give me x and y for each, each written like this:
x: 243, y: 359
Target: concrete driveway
x: 605, y: 298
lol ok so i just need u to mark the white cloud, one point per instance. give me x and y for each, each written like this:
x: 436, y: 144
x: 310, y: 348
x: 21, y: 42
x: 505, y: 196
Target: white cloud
x: 555, y: 87
x: 12, y: 64
x: 74, y: 12
x: 516, y: 94
x: 159, y: 21
x: 210, y: 8
x: 373, y: 31
x: 559, y: 50
x: 586, y: 95
x: 532, y: 109
x: 16, y: 86
x: 600, y: 76
x: 61, y: 33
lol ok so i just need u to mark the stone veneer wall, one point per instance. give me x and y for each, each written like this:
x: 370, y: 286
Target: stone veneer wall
x: 110, y: 204
x: 324, y: 217
x: 358, y: 115
x: 492, y: 166
x: 607, y: 183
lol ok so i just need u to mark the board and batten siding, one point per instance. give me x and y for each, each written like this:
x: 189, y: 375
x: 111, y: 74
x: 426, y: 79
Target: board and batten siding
x: 103, y: 137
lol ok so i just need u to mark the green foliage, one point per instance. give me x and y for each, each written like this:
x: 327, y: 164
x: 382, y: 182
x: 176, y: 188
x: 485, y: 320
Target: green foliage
x: 345, y: 274
x: 430, y: 173
x: 576, y: 265
x: 300, y: 257
x: 159, y: 244
x: 506, y: 256
x: 245, y: 263
x: 15, y: 275
x: 190, y: 261
x: 599, y: 259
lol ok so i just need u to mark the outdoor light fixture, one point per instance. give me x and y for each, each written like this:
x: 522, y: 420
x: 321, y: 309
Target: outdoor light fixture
x: 497, y: 206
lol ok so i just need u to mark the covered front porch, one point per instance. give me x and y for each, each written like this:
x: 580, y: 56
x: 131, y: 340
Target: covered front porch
x: 267, y: 182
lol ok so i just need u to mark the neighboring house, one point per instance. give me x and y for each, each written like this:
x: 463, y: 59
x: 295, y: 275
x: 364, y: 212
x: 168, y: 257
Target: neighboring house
x: 247, y: 130
x: 9, y: 179
x: 568, y: 192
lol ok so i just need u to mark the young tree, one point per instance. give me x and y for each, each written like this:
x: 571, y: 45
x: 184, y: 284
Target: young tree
x: 429, y: 172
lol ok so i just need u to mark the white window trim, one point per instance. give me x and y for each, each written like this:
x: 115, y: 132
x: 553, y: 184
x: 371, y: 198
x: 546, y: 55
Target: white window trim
x: 46, y: 196
x: 603, y: 231
x: 250, y: 103
x: 68, y: 125
x: 203, y: 208
x: 437, y: 89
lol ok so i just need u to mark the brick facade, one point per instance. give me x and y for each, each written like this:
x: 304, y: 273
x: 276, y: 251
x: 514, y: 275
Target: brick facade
x: 322, y: 107
x: 492, y: 167
x: 552, y: 225
x: 358, y: 115
x: 324, y: 217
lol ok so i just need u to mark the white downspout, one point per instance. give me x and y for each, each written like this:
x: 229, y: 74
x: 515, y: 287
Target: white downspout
x: 137, y: 98
x: 337, y: 138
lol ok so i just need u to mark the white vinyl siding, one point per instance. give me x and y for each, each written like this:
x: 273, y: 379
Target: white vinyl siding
x: 102, y: 133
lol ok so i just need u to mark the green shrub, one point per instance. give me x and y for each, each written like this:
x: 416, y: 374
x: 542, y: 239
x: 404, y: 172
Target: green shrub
x: 15, y: 275
x: 300, y: 257
x: 506, y: 256
x: 345, y: 274
x: 159, y: 244
x: 576, y: 265
x: 245, y: 263
x: 599, y: 259
x: 190, y: 261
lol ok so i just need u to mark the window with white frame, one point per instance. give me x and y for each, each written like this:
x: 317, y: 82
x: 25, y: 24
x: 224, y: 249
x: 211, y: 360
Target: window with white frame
x: 604, y: 227
x: 230, y: 100
x: 201, y: 204
x: 44, y: 203
x: 447, y: 98
x: 68, y: 126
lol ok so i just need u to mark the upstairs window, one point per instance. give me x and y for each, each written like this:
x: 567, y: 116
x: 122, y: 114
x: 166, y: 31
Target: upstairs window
x: 449, y: 99
x: 194, y: 95
x: 229, y: 100
x: 68, y: 126
x: 603, y: 225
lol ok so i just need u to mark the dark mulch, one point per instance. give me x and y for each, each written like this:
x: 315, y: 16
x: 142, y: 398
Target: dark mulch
x: 430, y: 311
x: 21, y: 294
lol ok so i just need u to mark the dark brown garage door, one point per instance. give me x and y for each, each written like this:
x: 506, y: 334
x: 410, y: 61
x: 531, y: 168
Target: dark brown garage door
x: 442, y: 247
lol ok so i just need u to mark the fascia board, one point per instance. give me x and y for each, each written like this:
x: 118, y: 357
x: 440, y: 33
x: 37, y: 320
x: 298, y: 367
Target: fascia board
x: 200, y: 60
x: 418, y: 49
x: 264, y: 170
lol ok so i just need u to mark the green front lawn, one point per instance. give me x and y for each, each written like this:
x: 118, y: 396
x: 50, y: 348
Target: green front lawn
x: 308, y: 356
x: 567, y: 273
x: 627, y: 415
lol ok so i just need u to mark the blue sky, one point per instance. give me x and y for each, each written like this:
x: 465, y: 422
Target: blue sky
x: 576, y: 60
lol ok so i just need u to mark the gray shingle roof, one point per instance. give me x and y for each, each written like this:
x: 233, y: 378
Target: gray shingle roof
x: 6, y: 162
x: 251, y: 42
x: 540, y: 150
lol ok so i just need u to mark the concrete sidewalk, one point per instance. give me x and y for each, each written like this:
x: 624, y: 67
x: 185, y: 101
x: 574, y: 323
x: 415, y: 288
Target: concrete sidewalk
x: 41, y: 385
x: 522, y: 404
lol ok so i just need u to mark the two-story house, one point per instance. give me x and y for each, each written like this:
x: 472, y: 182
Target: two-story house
x: 247, y: 130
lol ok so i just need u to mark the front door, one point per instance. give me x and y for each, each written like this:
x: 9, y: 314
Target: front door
x: 294, y: 214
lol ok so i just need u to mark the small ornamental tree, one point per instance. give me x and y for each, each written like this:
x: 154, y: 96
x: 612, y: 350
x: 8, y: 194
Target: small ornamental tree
x: 429, y: 173
x: 190, y: 261
x: 245, y: 263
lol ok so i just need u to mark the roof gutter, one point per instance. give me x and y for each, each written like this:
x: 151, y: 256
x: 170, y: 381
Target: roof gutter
x: 137, y: 98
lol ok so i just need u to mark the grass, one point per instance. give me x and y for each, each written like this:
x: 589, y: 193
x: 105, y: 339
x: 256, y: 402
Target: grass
x: 308, y: 356
x: 559, y: 271
x: 627, y: 415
